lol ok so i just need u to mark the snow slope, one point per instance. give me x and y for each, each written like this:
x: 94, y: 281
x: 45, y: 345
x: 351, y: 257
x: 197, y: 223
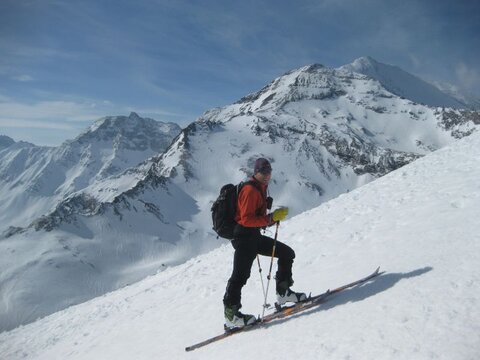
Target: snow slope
x: 420, y: 223
x: 47, y: 272
x: 404, y: 84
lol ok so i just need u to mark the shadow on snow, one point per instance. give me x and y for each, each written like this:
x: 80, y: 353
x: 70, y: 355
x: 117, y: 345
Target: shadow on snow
x: 358, y: 293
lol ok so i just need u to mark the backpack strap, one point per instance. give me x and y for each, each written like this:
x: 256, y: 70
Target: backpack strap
x: 256, y: 186
x: 249, y: 182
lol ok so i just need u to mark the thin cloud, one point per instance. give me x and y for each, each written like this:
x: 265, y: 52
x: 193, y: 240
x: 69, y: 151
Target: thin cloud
x: 71, y: 113
x: 14, y: 51
x: 34, y: 124
x: 64, y: 110
x: 23, y: 78
x: 467, y: 77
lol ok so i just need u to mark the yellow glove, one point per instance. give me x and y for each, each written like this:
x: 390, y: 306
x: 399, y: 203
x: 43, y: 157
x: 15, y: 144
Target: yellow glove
x: 280, y: 214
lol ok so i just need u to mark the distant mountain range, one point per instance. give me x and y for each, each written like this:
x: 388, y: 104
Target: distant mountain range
x: 35, y: 179
x: 132, y: 195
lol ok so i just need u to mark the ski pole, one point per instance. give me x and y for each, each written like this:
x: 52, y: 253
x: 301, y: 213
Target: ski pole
x: 270, y: 270
x: 261, y: 278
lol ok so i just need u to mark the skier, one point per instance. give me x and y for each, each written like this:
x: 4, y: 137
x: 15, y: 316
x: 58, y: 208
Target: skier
x: 251, y: 216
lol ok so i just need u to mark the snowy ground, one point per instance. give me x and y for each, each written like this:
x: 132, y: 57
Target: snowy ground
x: 420, y: 223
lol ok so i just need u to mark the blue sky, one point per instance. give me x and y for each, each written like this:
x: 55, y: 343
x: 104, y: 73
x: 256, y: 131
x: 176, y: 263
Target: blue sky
x: 64, y: 64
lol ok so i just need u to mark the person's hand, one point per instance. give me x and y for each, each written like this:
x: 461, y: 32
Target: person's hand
x: 280, y: 214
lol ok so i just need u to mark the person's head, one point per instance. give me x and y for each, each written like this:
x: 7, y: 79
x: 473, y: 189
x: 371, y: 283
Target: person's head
x: 262, y: 170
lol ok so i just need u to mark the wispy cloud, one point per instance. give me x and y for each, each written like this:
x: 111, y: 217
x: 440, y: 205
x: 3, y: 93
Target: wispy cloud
x: 71, y: 113
x: 58, y: 110
x: 48, y: 122
x: 23, y: 78
x: 68, y: 114
x: 467, y: 77
x: 34, y: 124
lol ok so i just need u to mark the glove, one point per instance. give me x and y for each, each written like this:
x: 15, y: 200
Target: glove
x: 280, y: 214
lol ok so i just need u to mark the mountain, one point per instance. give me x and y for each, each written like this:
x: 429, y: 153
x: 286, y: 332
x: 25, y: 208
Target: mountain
x: 5, y: 141
x: 326, y: 132
x: 419, y: 223
x: 34, y: 179
x: 404, y: 84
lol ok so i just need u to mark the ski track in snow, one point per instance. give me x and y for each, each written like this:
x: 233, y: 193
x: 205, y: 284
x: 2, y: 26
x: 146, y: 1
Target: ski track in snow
x: 419, y: 223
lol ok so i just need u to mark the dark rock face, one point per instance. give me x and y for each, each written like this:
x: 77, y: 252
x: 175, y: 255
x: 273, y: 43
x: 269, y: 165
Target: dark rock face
x: 451, y: 119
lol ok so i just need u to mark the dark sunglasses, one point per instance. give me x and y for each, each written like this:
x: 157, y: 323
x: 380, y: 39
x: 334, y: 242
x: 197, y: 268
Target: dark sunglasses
x: 266, y: 170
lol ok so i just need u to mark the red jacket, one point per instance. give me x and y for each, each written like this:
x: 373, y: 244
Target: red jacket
x: 252, y: 206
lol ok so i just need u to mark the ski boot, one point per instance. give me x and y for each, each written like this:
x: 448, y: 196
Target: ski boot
x: 290, y: 296
x: 234, y: 319
x: 285, y: 294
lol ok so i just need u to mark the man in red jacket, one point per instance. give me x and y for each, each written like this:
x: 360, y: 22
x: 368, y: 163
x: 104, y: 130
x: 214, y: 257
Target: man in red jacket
x: 252, y: 216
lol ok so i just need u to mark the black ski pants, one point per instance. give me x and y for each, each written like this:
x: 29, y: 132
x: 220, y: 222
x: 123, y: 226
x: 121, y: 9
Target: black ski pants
x: 247, y: 246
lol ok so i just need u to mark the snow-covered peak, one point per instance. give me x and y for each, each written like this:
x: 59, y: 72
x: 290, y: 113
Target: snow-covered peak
x: 5, y: 141
x: 311, y: 82
x: 402, y: 83
x: 36, y: 179
x: 366, y: 64
x: 132, y: 132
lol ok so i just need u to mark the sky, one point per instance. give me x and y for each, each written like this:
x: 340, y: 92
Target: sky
x: 65, y: 64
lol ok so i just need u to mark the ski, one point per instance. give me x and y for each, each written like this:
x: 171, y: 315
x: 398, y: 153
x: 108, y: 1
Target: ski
x: 316, y: 300
x: 285, y: 311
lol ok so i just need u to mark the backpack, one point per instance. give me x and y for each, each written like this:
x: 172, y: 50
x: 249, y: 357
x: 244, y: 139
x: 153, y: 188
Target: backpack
x: 225, y: 208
